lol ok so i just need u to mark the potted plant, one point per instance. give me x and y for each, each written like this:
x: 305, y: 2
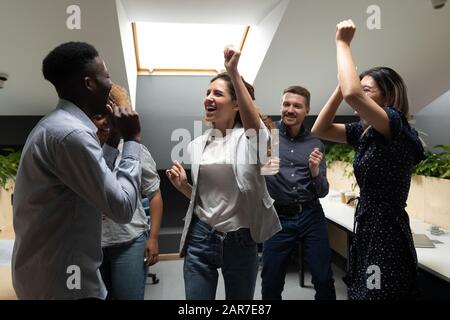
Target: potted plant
x: 8, y: 167
x: 429, y: 196
x: 339, y: 158
x: 9, y: 162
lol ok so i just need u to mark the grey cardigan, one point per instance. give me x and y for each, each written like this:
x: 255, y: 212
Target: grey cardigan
x: 264, y: 222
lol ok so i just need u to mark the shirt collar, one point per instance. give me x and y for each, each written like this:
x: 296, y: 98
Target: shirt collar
x: 285, y: 132
x: 75, y: 111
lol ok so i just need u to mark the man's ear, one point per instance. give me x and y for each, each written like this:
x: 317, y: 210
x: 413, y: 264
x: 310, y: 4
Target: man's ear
x: 89, y: 83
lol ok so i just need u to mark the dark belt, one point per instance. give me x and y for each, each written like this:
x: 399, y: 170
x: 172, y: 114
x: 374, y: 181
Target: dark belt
x: 296, y: 208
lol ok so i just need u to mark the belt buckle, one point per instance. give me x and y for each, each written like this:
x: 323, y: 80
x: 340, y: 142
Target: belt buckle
x: 299, y: 207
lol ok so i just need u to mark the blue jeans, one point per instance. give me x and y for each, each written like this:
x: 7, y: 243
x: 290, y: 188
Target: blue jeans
x: 123, y: 270
x: 207, y: 250
x: 309, y: 226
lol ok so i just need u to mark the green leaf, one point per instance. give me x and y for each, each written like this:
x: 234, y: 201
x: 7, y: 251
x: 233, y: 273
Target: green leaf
x: 436, y: 164
x: 9, y: 164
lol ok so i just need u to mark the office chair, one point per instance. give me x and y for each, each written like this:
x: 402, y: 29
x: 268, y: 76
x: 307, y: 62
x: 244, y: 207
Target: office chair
x: 146, y: 205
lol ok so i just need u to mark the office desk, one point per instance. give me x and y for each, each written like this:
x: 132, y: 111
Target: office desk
x: 434, y: 260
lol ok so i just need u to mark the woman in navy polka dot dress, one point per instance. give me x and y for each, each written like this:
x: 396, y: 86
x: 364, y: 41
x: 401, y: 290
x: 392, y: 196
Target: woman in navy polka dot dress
x: 383, y: 262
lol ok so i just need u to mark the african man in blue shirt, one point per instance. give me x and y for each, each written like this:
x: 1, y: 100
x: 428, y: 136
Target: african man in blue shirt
x: 301, y: 181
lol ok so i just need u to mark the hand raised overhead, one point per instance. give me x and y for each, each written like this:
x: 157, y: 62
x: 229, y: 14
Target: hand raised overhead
x: 345, y: 31
x: 231, y: 57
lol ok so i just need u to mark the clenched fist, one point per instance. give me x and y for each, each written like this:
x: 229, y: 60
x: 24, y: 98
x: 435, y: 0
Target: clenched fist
x: 314, y: 162
x: 231, y: 57
x: 345, y: 31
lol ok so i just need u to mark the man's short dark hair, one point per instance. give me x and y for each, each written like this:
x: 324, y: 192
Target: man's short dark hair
x: 300, y: 91
x: 67, y: 60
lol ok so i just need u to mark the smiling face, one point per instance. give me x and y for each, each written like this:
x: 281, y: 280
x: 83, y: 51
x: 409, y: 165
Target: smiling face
x: 99, y: 85
x: 373, y: 91
x: 220, y: 107
x: 101, y: 122
x: 294, y: 109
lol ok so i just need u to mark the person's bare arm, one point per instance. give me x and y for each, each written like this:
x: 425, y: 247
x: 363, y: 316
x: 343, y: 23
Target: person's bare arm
x: 350, y: 84
x: 247, y: 109
x: 324, y: 127
x: 156, y: 212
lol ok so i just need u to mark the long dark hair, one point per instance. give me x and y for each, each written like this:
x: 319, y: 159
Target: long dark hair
x: 392, y: 87
x: 226, y: 77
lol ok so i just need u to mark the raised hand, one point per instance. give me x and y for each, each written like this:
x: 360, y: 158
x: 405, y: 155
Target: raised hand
x: 345, y: 31
x: 314, y: 162
x: 231, y: 57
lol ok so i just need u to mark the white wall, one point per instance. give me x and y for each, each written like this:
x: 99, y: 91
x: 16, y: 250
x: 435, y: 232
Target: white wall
x: 413, y: 39
x: 29, y: 30
x: 126, y: 35
x: 258, y: 41
x: 167, y: 103
x: 434, y: 120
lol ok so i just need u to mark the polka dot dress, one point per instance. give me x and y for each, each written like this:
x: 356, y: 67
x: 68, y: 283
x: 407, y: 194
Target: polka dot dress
x: 382, y: 259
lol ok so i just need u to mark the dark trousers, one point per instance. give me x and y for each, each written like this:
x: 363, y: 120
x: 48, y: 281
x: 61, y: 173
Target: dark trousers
x: 310, y: 227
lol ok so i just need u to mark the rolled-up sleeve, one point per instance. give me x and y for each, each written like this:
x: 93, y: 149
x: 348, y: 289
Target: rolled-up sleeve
x: 150, y: 178
x: 320, y: 184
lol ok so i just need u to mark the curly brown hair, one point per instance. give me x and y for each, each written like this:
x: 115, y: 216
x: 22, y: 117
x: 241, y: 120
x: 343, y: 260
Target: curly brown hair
x: 119, y: 96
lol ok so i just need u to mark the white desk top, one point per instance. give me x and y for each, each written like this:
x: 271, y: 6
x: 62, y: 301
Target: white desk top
x: 434, y: 260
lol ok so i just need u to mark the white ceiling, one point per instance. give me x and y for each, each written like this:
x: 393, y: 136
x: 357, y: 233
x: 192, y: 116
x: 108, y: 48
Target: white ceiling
x: 199, y: 11
x: 30, y: 29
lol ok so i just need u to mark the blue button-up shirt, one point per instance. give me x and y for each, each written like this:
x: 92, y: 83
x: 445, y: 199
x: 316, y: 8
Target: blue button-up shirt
x: 294, y: 183
x: 63, y: 184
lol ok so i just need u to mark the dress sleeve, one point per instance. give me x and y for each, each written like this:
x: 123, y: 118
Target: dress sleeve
x: 400, y: 126
x: 353, y: 132
x: 396, y: 121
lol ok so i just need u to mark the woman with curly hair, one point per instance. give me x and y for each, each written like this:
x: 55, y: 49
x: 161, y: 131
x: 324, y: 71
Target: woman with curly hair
x: 129, y: 249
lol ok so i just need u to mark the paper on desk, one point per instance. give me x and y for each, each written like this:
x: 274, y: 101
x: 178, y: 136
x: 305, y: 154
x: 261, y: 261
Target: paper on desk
x: 6, y: 249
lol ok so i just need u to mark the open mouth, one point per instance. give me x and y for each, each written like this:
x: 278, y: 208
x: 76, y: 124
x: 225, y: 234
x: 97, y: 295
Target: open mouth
x: 210, y: 110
